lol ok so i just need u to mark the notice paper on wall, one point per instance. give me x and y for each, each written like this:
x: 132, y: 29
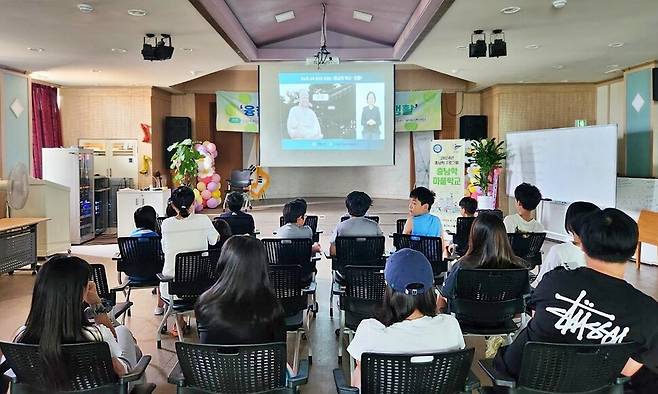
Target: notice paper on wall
x: 447, y: 180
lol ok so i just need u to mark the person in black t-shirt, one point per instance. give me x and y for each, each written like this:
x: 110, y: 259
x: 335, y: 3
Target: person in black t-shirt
x: 240, y: 222
x: 593, y: 304
x: 241, y: 307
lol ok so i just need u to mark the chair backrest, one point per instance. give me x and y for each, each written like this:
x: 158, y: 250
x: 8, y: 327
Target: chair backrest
x: 489, y: 295
x: 358, y: 251
x: 99, y: 277
x: 572, y: 368
x: 195, y: 273
x: 364, y: 293
x: 430, y: 247
x: 427, y: 373
x: 290, y: 251
x: 399, y: 225
x: 140, y: 256
x: 310, y: 220
x: 286, y: 281
x: 527, y: 246
x: 240, y: 178
x: 373, y: 218
x: 159, y: 220
x: 88, y: 366
x: 233, y: 369
x: 496, y: 212
x: 462, y: 234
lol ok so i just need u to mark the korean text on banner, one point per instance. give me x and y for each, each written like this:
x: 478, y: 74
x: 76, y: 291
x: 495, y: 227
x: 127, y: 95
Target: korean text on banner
x: 447, y: 179
x: 237, y: 111
x: 418, y: 110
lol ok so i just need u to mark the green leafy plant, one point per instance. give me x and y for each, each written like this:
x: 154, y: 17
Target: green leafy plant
x: 488, y: 155
x: 184, y: 162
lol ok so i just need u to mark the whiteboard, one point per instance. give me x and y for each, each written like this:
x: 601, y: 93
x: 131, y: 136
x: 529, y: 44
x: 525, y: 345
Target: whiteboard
x: 569, y: 164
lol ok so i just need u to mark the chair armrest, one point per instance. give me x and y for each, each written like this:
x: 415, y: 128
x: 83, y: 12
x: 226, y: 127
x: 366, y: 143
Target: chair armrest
x: 119, y: 288
x: 451, y: 233
x: 137, y: 372
x: 622, y: 379
x: 472, y: 382
x: 302, y: 375
x: 312, y: 287
x: 117, y: 256
x: 341, y: 383
x: 497, y: 377
x: 164, y: 278
x: 176, y: 376
x: 273, y: 232
x: 337, y: 289
x: 328, y: 255
x: 319, y: 232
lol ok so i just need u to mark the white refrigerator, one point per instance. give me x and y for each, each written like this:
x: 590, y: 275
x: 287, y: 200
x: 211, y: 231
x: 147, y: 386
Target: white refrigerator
x: 74, y: 167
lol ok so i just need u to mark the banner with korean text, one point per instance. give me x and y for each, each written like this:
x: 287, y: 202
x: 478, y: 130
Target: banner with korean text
x: 237, y: 111
x: 447, y: 160
x: 418, y: 110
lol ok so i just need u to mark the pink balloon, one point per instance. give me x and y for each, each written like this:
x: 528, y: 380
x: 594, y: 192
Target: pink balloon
x: 214, y: 155
x: 206, y: 194
x: 212, y: 203
x: 216, y: 178
x: 206, y: 180
x: 201, y: 186
x: 211, y: 147
x: 196, y: 146
x: 212, y: 186
x: 202, y: 149
x: 198, y: 208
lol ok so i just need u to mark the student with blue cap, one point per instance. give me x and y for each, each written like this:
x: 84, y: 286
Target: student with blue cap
x: 408, y: 322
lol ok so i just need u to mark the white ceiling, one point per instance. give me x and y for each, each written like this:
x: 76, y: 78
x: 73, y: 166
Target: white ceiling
x: 575, y: 37
x: 77, y: 43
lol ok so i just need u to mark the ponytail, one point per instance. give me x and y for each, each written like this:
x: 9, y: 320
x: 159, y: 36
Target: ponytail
x: 182, y: 198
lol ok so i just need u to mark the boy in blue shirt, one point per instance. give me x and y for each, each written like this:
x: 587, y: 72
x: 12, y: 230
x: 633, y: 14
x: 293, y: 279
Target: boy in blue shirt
x: 420, y: 221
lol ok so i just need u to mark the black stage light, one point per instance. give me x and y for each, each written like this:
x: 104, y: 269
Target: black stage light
x: 478, y: 48
x: 497, y: 47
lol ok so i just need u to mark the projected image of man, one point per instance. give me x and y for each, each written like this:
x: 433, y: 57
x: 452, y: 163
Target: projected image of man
x: 302, y: 121
x: 371, y: 118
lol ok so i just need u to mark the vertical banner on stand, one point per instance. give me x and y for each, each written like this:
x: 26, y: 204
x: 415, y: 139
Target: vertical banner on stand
x: 447, y: 179
x: 422, y: 149
x: 237, y: 111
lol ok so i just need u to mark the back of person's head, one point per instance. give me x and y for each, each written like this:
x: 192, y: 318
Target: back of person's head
x: 146, y: 218
x: 609, y: 235
x: 235, y: 201
x: 409, y: 287
x: 170, y: 211
x: 469, y: 205
x: 293, y: 210
x: 56, y: 315
x: 528, y: 196
x: 182, y: 199
x: 576, y: 214
x: 488, y: 245
x: 222, y: 228
x: 301, y: 200
x: 423, y: 195
x: 357, y: 203
x: 243, y: 289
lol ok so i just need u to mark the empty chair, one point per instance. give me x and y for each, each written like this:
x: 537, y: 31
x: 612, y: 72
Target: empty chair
x: 373, y: 218
x: 234, y: 369
x: 565, y: 368
x: 460, y: 238
x: 528, y: 246
x: 88, y: 366
x: 105, y: 293
x: 426, y: 373
x: 430, y: 247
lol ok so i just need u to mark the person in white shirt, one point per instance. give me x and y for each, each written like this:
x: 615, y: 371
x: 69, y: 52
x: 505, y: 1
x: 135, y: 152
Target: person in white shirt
x: 569, y: 254
x: 527, y: 198
x: 409, y: 322
x: 185, y: 232
x: 302, y: 122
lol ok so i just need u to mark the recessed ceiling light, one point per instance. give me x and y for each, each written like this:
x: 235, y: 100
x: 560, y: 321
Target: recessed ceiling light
x: 455, y: 70
x: 95, y: 70
x: 33, y: 49
x: 461, y: 46
x: 85, y: 8
x: 616, y: 44
x: 521, y: 81
x: 510, y: 10
x: 559, y: 3
x: 137, y: 12
x: 613, y: 66
x: 196, y: 72
x: 564, y: 80
x: 532, y: 46
x: 558, y: 67
x: 614, y: 70
x: 284, y: 16
x: 362, y: 16
x: 188, y: 50
x: 119, y: 50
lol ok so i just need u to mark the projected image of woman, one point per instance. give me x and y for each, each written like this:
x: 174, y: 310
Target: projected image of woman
x: 302, y: 122
x: 371, y: 119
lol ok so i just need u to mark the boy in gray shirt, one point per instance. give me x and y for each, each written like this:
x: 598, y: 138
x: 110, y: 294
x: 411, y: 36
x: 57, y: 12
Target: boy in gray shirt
x: 293, y: 217
x: 357, y: 225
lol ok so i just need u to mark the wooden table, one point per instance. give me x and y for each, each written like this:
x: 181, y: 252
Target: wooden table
x: 18, y: 243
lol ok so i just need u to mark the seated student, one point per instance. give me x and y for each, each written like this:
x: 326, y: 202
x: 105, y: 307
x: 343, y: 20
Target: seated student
x: 467, y: 207
x: 592, y: 304
x: 185, y: 232
x: 527, y: 198
x: 569, y: 254
x: 241, y: 307
x: 240, y: 222
x: 420, y: 221
x: 357, y: 204
x: 170, y: 211
x: 293, y: 218
x: 56, y: 317
x: 224, y: 231
x: 146, y: 227
x: 409, y: 321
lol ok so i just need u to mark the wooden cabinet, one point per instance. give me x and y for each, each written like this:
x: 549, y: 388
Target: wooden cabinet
x: 128, y: 200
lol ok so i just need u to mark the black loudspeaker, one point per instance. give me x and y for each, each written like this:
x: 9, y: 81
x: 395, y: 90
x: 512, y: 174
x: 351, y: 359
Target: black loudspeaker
x: 473, y: 127
x: 654, y: 82
x: 177, y: 128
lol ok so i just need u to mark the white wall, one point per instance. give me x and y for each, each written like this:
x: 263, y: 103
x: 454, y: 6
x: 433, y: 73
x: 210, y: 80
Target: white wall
x: 378, y: 182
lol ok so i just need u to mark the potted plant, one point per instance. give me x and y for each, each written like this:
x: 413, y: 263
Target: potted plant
x: 488, y: 155
x: 184, y: 162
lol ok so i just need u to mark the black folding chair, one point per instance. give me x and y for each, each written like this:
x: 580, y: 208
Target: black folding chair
x: 234, y: 369
x: 355, y: 251
x: 195, y: 273
x: 360, y: 298
x: 485, y: 301
x: 160, y: 219
x: 497, y: 212
x: 309, y: 220
x: 565, y: 368
x: 139, y: 257
x: 462, y: 234
x: 430, y: 247
x: 289, y: 290
x: 373, y: 218
x: 423, y: 373
x: 399, y: 225
x: 239, y: 182
x: 527, y: 246
x: 105, y: 293
x: 88, y: 367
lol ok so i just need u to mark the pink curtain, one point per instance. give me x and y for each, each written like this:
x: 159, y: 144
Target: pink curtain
x: 46, y: 123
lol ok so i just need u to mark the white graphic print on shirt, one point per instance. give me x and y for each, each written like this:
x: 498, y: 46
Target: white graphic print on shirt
x: 576, y: 319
